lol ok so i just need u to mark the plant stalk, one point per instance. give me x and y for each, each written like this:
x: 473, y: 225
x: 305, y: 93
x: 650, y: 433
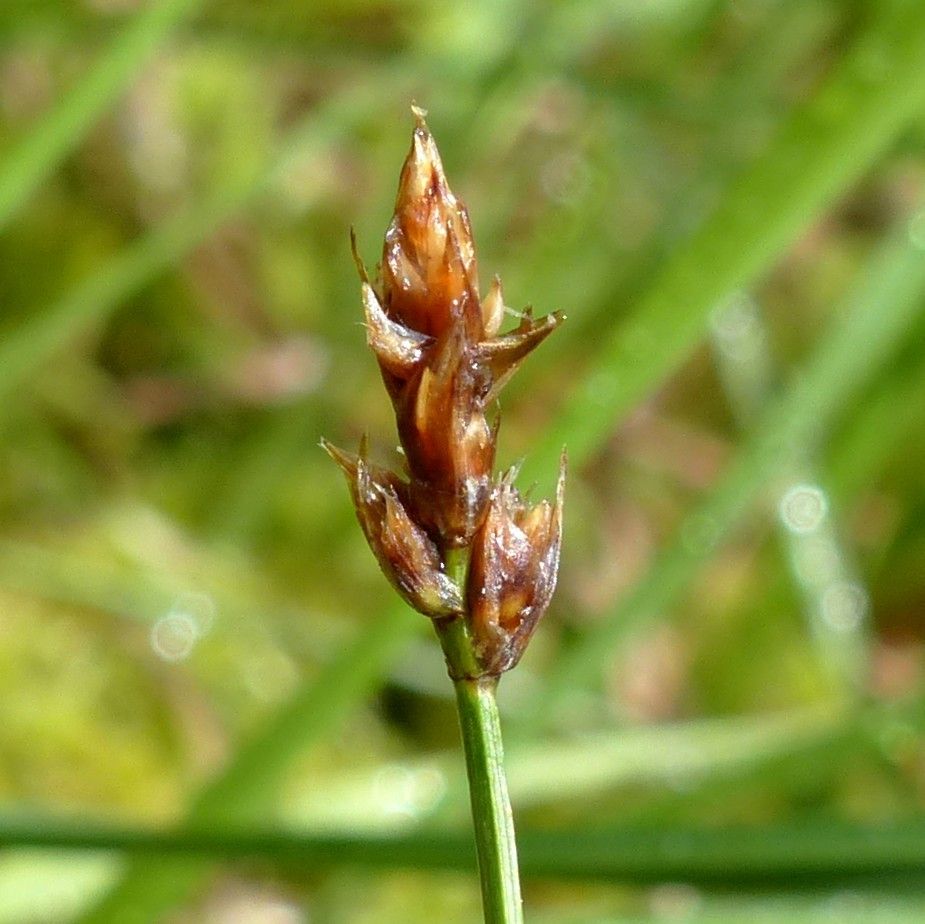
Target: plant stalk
x: 491, y: 805
x: 479, y: 723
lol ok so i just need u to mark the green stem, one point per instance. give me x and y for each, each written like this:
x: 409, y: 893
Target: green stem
x: 491, y: 806
x: 495, y: 845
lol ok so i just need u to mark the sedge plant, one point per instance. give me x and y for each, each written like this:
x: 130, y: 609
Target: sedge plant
x: 460, y: 544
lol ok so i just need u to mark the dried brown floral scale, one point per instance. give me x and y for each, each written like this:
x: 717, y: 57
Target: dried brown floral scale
x: 443, y: 362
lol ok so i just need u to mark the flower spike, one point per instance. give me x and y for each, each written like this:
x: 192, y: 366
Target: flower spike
x: 444, y: 361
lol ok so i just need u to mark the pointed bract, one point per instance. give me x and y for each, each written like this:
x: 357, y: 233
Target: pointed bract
x: 493, y: 308
x: 428, y: 260
x: 503, y: 355
x: 448, y: 442
x: 407, y: 555
x: 512, y: 572
x: 398, y: 348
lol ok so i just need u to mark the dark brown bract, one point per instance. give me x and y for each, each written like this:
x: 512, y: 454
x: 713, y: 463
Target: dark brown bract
x: 443, y: 363
x: 512, y: 572
x: 408, y: 556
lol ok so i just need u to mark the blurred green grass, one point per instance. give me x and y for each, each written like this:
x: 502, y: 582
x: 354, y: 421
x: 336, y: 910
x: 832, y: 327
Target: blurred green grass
x: 192, y: 627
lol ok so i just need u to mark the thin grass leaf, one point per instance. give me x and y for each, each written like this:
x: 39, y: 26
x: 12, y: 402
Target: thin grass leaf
x: 742, y: 353
x: 879, y: 312
x: 703, y: 759
x: 874, y: 434
x: 36, y: 339
x: 247, y: 787
x: 665, y: 755
x: 873, y: 92
x: 788, y: 858
x: 29, y: 163
x: 696, y: 908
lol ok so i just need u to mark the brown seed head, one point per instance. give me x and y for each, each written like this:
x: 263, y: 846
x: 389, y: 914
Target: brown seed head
x: 512, y: 573
x: 444, y: 363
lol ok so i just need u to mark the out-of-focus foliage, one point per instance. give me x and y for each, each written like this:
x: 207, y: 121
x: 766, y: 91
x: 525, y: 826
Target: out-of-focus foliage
x: 728, y: 201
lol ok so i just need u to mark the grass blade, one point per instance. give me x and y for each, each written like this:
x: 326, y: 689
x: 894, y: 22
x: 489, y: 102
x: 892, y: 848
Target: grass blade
x: 831, y: 855
x: 889, y: 298
x: 36, y: 339
x: 30, y: 162
x: 688, y: 754
x: 246, y: 788
x: 742, y: 354
x: 874, y: 91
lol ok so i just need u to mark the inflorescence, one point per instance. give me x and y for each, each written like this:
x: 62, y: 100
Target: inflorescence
x: 444, y: 361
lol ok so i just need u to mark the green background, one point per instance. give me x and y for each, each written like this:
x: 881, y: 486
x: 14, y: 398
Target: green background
x: 212, y: 708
